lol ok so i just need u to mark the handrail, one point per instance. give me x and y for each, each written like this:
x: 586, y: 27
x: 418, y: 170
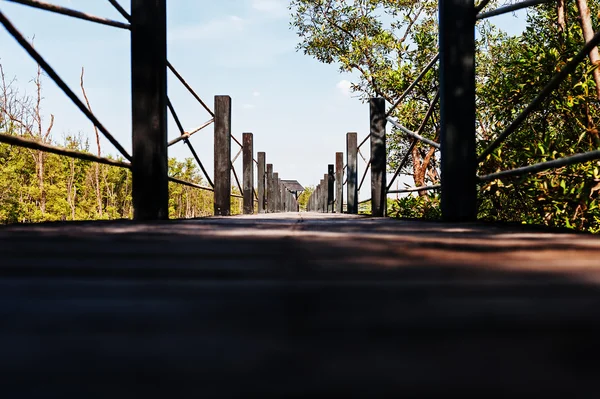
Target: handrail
x: 415, y: 135
x: 189, y: 88
x: 60, y: 83
x: 414, y: 189
x: 36, y: 145
x: 509, y: 8
x: 414, y: 83
x: 553, y: 84
x: 71, y: 13
x: 184, y: 136
x: 414, y: 143
x: 120, y: 9
x: 541, y: 166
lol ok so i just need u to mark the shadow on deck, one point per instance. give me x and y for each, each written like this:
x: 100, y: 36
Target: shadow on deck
x: 297, y: 305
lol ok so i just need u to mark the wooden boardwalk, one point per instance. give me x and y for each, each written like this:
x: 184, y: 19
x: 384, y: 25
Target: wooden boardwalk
x: 297, y: 305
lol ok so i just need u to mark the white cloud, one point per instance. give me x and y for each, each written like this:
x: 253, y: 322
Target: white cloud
x: 214, y: 29
x: 345, y: 87
x: 248, y: 106
x: 256, y: 93
x: 275, y: 8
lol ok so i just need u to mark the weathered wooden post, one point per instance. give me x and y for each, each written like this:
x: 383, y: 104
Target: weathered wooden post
x: 339, y: 181
x: 321, y: 195
x: 283, y: 192
x: 326, y: 192
x: 248, y: 172
x: 352, y: 173
x: 150, y: 185
x: 378, y: 157
x: 270, y: 189
x: 261, y: 176
x: 330, y: 185
x: 222, y: 173
x: 276, y: 192
x: 457, y: 110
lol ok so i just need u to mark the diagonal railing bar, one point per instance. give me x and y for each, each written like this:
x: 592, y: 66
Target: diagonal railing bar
x: 553, y: 84
x: 539, y: 167
x: 414, y: 143
x: 255, y: 161
x: 120, y: 9
x: 237, y: 180
x: 509, y: 8
x: 71, y: 13
x: 175, y: 117
x: 197, y: 158
x: 183, y: 136
x: 414, y: 189
x: 364, y: 141
x: 190, y: 184
x: 415, y: 135
x: 187, y: 135
x: 189, y: 88
x: 237, y: 155
x: 36, y: 145
x: 60, y: 83
x: 364, y: 175
x: 236, y: 140
x: 361, y: 155
x: 414, y: 83
x: 364, y: 201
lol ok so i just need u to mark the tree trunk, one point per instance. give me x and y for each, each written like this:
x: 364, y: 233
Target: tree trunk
x: 562, y: 22
x: 588, y: 33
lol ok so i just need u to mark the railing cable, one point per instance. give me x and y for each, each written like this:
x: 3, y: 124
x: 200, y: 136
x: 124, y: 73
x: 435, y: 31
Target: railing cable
x: 546, y: 91
x: 60, y: 83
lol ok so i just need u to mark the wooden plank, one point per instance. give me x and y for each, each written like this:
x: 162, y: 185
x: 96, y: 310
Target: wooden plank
x: 286, y: 306
x: 149, y: 169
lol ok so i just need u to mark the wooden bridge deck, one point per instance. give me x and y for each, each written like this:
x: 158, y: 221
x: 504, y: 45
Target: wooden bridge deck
x: 297, y: 305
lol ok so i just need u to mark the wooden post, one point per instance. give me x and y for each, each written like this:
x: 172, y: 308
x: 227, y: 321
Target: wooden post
x: 457, y: 110
x: 222, y: 173
x: 330, y: 185
x: 325, y: 192
x: 149, y: 171
x: 276, y: 194
x: 283, y: 192
x: 352, y: 173
x: 321, y: 195
x: 378, y: 157
x: 339, y: 181
x: 261, y: 176
x: 270, y: 189
x: 248, y: 173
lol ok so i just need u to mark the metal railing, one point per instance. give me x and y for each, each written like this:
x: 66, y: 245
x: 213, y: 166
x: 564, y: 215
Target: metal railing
x: 456, y: 98
x: 150, y: 102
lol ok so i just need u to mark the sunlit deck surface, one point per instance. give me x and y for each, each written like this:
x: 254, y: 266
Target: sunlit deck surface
x: 297, y: 305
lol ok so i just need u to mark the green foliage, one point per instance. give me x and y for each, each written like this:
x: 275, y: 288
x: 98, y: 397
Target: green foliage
x: 304, y: 196
x: 426, y: 207
x: 511, y: 72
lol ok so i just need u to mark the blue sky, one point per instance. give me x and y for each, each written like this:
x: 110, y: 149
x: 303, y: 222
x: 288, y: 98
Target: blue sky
x: 298, y: 109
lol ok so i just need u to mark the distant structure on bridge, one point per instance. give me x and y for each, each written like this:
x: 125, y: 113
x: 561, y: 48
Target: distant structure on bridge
x: 293, y: 186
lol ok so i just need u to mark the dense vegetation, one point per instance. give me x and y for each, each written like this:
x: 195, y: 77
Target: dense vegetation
x: 387, y: 43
